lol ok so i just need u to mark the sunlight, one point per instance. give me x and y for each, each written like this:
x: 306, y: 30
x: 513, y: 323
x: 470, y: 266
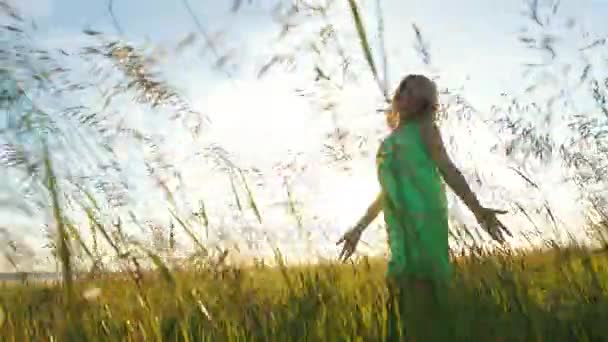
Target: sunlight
x: 260, y: 122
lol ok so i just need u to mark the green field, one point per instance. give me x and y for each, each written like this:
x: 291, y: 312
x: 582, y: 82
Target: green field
x: 558, y: 295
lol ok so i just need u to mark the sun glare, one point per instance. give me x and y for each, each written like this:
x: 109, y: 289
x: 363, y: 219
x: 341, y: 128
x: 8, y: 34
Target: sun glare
x: 260, y: 122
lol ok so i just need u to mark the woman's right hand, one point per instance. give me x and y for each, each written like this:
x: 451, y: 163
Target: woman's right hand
x: 351, y: 240
x: 486, y: 217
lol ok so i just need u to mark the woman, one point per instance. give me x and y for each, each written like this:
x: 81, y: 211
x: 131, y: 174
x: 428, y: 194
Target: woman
x: 411, y: 163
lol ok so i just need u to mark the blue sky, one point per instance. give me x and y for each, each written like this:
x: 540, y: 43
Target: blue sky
x: 473, y: 42
x: 474, y: 48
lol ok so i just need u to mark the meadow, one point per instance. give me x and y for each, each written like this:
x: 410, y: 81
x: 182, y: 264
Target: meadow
x: 551, y: 295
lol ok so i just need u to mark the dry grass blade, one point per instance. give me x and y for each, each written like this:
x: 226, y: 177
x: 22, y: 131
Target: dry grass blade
x: 191, y: 234
x: 10, y: 10
x: 165, y: 272
x: 421, y: 45
x: 2, y: 316
x: 364, y: 43
x: 235, y: 192
x: 115, y: 22
x: 63, y: 242
x: 526, y: 178
x: 380, y: 15
x: 250, y: 197
x: 73, y: 230
x: 221, y: 59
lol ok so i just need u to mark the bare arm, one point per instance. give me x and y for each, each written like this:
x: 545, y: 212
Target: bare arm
x: 352, y: 236
x: 452, y: 176
x: 370, y: 215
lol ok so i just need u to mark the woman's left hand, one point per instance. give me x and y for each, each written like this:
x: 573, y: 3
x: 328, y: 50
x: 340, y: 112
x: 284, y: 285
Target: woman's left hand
x: 490, y: 223
x: 351, y: 240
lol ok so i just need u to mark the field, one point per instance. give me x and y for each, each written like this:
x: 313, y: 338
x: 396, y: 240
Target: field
x: 557, y: 295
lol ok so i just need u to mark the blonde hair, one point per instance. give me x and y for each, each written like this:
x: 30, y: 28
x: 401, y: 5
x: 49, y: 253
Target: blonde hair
x: 424, y: 90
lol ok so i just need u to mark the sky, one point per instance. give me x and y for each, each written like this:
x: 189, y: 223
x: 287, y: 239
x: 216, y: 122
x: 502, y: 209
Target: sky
x: 263, y: 122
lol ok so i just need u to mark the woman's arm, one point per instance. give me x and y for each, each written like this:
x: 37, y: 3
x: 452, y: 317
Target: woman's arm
x: 452, y: 176
x: 370, y: 215
x: 352, y: 236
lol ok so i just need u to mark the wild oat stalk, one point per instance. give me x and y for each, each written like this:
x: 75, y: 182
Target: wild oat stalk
x: 63, y: 238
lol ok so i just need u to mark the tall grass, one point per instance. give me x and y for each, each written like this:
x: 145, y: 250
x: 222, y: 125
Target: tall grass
x: 557, y: 295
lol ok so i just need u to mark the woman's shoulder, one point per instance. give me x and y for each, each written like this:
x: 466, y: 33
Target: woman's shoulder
x: 389, y: 139
x: 388, y: 145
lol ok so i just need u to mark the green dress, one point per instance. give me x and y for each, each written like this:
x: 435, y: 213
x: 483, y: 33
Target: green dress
x: 414, y: 205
